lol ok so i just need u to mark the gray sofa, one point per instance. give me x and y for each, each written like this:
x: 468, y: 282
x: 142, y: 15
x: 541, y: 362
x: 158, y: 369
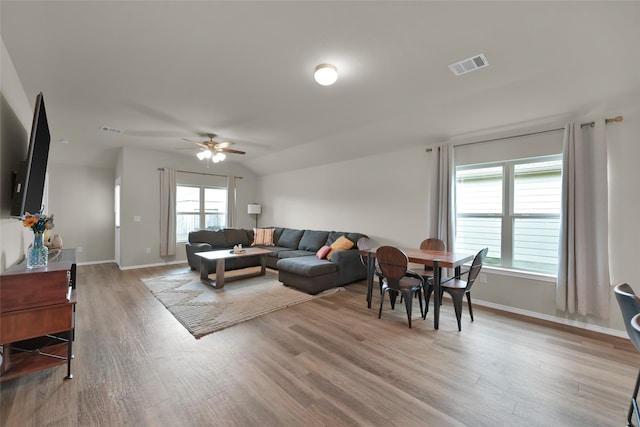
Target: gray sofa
x: 293, y: 255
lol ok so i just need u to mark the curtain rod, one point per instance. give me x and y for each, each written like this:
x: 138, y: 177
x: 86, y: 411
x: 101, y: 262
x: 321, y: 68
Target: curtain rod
x: 592, y: 124
x: 203, y: 173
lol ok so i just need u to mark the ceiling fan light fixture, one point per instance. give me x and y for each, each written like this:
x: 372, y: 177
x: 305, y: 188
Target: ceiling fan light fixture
x: 218, y: 157
x: 326, y: 74
x: 201, y: 155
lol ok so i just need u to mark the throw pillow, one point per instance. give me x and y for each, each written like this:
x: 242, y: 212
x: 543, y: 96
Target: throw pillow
x: 263, y: 236
x: 340, y: 245
x: 323, y: 251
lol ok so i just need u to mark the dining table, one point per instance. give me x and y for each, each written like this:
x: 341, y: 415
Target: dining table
x: 436, y: 259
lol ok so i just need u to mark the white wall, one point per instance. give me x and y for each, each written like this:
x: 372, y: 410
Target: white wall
x: 141, y: 197
x: 81, y: 200
x: 624, y: 202
x: 382, y: 196
x: 15, y: 116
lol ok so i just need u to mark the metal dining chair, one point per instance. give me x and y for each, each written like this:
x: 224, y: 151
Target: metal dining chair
x: 432, y: 244
x: 364, y: 244
x: 398, y: 279
x: 458, y: 288
x: 630, y: 307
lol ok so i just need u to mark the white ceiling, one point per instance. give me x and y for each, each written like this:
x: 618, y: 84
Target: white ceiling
x: 166, y: 70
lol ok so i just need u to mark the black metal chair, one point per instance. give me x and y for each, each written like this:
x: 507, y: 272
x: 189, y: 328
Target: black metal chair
x: 630, y: 306
x: 458, y: 288
x: 432, y: 244
x: 363, y: 244
x: 398, y: 279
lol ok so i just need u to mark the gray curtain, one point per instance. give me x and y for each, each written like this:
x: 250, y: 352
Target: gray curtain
x: 583, y: 262
x: 168, y: 212
x: 231, y: 201
x: 446, y: 196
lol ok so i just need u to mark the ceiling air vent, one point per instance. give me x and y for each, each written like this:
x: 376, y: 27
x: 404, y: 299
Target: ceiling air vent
x: 110, y: 129
x: 469, y: 64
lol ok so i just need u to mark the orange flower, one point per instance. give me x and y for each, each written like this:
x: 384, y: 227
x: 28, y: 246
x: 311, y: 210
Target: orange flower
x: 38, y: 222
x: 29, y: 221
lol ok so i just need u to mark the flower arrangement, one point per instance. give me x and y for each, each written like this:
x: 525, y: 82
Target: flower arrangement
x: 38, y: 222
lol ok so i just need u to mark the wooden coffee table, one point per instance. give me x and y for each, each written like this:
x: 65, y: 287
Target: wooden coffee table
x: 220, y: 257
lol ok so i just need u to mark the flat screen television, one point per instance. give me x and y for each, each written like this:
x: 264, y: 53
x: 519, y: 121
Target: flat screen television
x: 28, y: 188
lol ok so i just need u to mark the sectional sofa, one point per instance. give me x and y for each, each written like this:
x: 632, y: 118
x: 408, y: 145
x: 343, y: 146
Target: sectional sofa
x: 298, y: 255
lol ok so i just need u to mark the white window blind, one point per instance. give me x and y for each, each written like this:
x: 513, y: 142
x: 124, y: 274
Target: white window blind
x: 199, y: 207
x: 513, y: 208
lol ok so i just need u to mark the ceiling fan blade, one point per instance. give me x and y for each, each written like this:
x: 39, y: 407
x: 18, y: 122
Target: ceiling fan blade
x: 224, y: 144
x: 201, y: 144
x: 228, y: 150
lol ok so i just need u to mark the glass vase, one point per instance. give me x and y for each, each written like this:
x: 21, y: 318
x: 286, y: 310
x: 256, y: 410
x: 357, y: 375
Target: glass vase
x: 38, y: 253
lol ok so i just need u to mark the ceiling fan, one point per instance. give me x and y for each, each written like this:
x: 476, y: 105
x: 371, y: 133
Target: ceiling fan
x: 214, y: 150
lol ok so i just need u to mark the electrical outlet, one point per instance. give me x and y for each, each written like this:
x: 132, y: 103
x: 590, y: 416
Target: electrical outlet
x: 79, y: 249
x: 148, y: 250
x: 482, y: 277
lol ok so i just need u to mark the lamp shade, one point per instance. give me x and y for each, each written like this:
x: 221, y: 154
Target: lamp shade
x: 254, y: 209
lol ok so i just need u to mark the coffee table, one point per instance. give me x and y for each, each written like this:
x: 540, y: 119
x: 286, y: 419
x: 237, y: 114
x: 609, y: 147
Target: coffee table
x: 220, y: 257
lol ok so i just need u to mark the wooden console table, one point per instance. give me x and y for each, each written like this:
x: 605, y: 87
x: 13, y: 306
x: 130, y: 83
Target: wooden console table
x: 37, y: 316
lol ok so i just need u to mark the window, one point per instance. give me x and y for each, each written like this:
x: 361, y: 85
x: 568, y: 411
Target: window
x: 199, y: 207
x: 513, y: 208
x: 116, y: 202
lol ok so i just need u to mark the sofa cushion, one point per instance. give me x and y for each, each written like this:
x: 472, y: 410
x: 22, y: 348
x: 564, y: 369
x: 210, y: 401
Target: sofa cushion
x: 323, y: 251
x: 307, y: 266
x: 263, y: 236
x: 290, y: 238
x: 277, y: 232
x: 214, y: 238
x: 354, y: 237
x: 333, y: 236
x: 236, y: 236
x: 313, y: 240
x: 275, y: 250
x: 292, y: 253
x: 341, y: 244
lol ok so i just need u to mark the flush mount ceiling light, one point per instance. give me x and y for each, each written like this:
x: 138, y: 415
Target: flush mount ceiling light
x: 326, y: 74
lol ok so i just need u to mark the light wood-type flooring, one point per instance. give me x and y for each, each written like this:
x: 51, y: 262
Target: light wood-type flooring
x: 327, y: 362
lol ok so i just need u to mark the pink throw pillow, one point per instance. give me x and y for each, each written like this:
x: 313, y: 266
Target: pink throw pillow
x: 323, y: 251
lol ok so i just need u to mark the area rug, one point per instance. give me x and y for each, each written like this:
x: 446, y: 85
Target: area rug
x: 203, y: 310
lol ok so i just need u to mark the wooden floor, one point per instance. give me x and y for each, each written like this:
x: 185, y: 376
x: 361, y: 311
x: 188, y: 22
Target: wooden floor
x: 327, y: 362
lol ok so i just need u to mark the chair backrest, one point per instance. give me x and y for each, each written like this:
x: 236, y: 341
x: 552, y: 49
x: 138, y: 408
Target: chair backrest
x: 363, y: 244
x: 476, y: 266
x: 393, y: 263
x: 629, y: 306
x: 433, y: 244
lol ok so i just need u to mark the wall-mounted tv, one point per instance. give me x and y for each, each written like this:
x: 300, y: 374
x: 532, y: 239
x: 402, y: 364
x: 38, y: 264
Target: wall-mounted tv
x: 30, y: 180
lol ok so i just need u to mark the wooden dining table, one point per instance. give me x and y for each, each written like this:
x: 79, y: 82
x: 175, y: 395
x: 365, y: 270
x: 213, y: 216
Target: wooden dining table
x: 436, y: 259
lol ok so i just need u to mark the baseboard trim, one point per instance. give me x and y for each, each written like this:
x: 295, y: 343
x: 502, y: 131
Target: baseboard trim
x: 158, y: 264
x: 133, y: 267
x: 553, y: 319
x: 108, y: 261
